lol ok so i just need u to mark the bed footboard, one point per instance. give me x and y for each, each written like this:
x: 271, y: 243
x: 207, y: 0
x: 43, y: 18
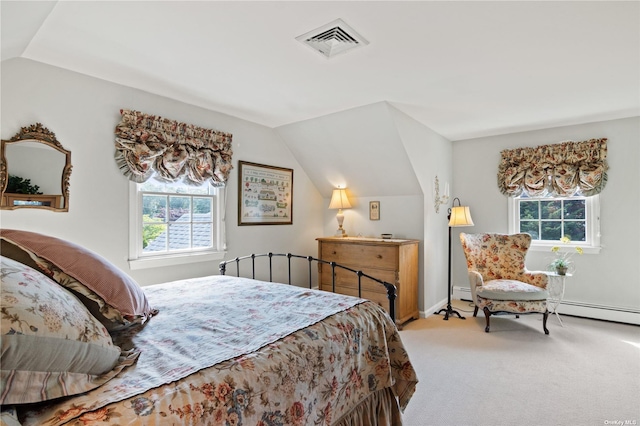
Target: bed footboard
x: 390, y: 288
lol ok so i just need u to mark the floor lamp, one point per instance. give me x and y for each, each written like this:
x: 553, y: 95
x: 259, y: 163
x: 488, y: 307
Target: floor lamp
x: 458, y: 216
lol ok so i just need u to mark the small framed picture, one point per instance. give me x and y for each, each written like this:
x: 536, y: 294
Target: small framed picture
x: 374, y: 210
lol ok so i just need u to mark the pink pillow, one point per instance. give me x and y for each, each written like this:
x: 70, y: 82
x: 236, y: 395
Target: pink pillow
x: 96, y: 273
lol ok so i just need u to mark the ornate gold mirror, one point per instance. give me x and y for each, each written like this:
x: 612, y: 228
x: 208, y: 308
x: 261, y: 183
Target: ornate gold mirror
x: 35, y: 171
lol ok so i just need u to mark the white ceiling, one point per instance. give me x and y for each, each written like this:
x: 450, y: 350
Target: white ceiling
x: 464, y: 69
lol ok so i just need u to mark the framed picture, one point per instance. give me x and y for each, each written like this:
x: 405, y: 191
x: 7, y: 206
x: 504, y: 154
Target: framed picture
x: 374, y: 210
x: 265, y: 194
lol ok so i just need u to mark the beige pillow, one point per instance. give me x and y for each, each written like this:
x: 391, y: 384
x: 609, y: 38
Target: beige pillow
x: 51, y: 345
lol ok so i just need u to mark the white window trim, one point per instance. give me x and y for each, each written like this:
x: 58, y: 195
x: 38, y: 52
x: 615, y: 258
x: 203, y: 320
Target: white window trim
x: 137, y: 261
x: 593, y: 228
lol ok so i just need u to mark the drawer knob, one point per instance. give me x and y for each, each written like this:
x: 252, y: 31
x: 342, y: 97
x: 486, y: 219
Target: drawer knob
x: 334, y: 252
x: 379, y: 256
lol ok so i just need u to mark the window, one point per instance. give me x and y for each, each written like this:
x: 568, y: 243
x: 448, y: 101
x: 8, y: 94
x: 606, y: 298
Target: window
x: 174, y: 223
x: 548, y: 219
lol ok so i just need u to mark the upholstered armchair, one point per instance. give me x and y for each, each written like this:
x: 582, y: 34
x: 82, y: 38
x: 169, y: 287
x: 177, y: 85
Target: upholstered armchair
x: 499, y: 280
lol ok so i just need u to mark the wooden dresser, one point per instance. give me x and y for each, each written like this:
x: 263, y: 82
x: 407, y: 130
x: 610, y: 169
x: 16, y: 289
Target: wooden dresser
x: 394, y: 261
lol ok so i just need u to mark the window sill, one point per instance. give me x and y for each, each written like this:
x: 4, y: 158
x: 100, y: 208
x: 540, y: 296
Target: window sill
x: 547, y: 248
x: 174, y: 259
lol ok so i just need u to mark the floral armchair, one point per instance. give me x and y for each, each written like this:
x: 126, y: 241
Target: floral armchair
x: 499, y: 280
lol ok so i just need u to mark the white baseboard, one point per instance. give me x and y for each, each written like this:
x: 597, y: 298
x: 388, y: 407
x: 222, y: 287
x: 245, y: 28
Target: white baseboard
x: 578, y: 309
x: 432, y: 310
x: 607, y: 313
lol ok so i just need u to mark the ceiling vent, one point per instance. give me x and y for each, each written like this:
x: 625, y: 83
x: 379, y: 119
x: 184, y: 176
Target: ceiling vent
x: 334, y: 38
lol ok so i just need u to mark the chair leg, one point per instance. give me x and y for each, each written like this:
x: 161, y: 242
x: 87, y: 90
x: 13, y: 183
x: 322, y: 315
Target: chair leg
x: 544, y: 322
x: 475, y: 311
x: 487, y: 314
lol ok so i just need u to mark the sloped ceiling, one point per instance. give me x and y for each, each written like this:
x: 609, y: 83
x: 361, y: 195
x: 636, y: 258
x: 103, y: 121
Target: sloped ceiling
x: 463, y: 69
x: 359, y: 149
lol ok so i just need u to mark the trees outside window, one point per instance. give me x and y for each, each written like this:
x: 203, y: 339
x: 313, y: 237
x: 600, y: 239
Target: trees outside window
x: 548, y: 219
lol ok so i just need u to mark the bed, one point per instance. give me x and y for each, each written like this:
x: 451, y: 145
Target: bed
x: 217, y: 350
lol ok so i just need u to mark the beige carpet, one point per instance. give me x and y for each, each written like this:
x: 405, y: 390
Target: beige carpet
x: 587, y: 373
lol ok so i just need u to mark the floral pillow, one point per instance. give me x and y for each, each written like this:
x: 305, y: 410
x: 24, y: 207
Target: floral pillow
x: 39, y: 319
x: 110, y: 317
x: 110, y: 295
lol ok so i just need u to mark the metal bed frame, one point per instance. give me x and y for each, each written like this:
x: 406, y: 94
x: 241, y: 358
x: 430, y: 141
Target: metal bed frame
x: 390, y: 288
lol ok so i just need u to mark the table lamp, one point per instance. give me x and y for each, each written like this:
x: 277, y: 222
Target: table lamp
x: 339, y: 200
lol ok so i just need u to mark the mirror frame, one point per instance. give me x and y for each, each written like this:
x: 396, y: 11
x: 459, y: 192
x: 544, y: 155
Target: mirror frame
x: 39, y: 134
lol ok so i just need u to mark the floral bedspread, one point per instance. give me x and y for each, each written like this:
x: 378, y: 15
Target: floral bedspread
x: 233, y: 351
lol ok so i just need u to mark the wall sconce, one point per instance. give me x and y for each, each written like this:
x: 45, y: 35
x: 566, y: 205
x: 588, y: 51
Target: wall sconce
x: 339, y: 200
x: 438, y: 200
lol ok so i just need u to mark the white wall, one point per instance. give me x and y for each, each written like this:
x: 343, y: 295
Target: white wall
x: 83, y: 111
x: 397, y: 217
x: 430, y: 156
x: 610, y: 279
x: 359, y: 147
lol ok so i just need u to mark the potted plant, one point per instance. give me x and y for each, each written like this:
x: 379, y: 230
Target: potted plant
x: 562, y: 261
x: 18, y: 185
x: 561, y: 266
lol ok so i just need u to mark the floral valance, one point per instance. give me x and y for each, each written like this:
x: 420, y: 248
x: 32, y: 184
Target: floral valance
x: 560, y: 169
x: 174, y: 151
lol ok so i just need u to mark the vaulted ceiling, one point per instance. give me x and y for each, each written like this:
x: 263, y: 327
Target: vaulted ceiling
x: 463, y: 69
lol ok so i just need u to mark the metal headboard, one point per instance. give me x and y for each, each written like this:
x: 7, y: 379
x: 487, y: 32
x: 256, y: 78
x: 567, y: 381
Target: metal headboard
x: 391, y: 289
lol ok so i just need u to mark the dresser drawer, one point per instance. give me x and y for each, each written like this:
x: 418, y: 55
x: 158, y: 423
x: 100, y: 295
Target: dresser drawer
x: 360, y: 256
x: 348, y: 279
x: 379, y: 298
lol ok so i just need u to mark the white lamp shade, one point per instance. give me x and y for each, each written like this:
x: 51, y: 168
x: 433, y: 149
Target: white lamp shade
x: 339, y: 199
x: 460, y: 216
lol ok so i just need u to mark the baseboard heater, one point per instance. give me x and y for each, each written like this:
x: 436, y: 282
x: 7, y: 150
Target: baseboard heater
x: 461, y: 293
x: 578, y: 309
